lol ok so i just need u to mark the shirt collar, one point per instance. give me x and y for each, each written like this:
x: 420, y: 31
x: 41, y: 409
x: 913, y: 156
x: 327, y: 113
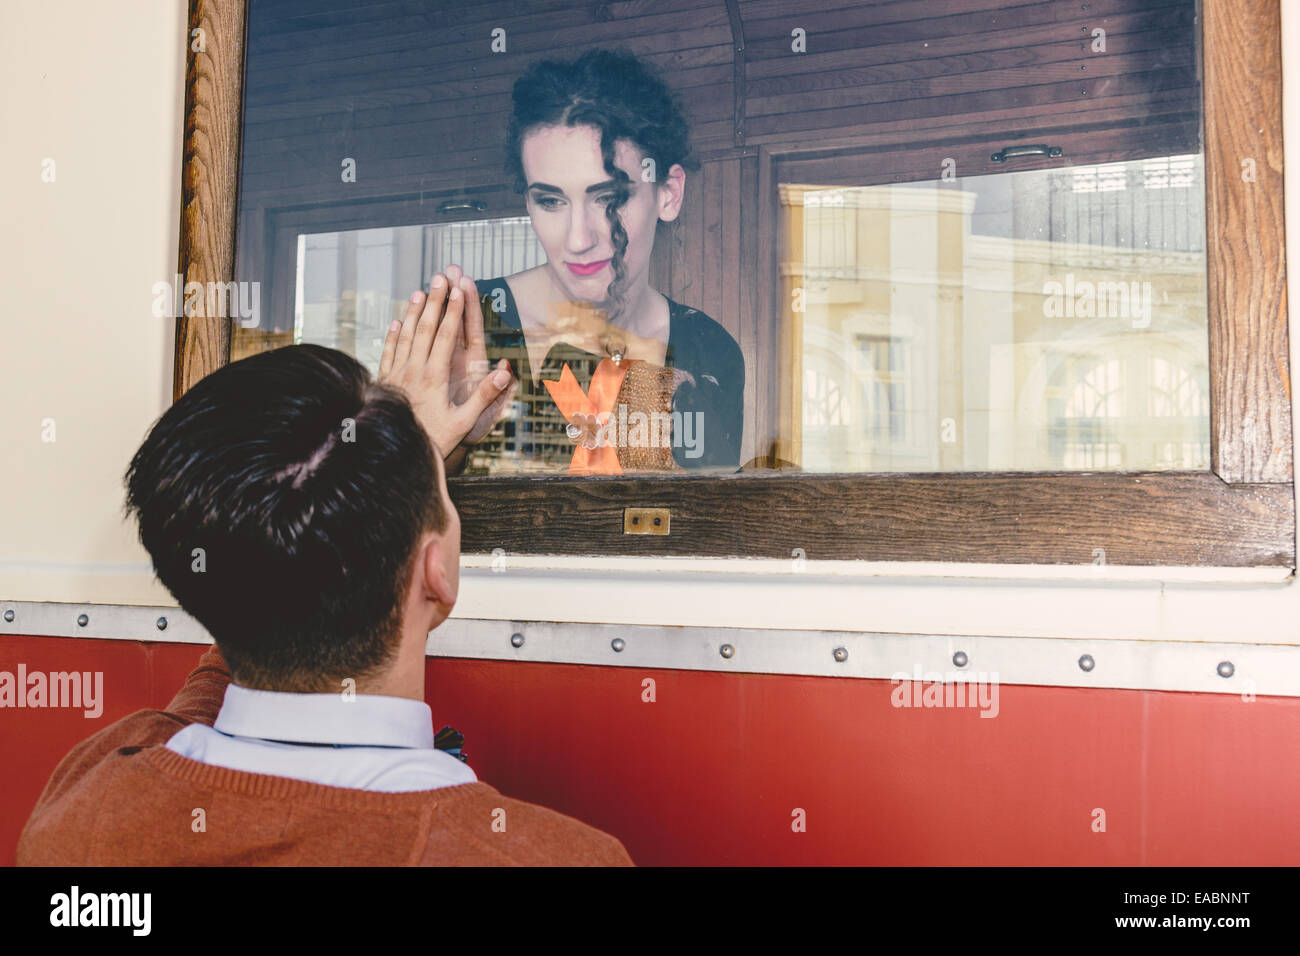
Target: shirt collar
x: 363, y: 720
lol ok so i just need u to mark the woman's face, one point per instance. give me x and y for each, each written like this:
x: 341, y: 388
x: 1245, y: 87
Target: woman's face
x: 567, y: 192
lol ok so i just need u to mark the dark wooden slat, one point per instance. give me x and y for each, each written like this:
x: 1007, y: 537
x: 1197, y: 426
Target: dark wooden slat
x: 750, y: 317
x: 939, y: 47
x: 871, y: 24
x: 1013, y: 121
x: 1010, y: 82
x: 433, y: 93
x: 448, y: 19
x: 395, y: 49
x: 1175, y: 518
x: 1250, y: 376
x: 688, y: 271
x: 379, y: 172
x: 987, y: 70
x: 383, y: 109
x: 768, y: 317
x: 486, y: 116
x: 729, y: 248
x: 710, y: 294
x: 889, y: 10
x: 739, y: 94
x: 970, y: 105
x: 209, y: 177
x: 475, y: 43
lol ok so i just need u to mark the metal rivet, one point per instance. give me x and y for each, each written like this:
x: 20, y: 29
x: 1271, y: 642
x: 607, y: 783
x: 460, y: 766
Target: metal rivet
x: 618, y: 644
x: 727, y: 651
x: 841, y: 654
x: 9, y: 615
x: 960, y: 659
x: 1086, y: 663
x: 82, y: 620
x: 161, y: 623
x: 517, y: 640
x: 1226, y: 669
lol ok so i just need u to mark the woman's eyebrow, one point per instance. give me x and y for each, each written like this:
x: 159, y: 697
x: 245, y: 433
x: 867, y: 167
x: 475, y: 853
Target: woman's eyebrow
x: 548, y: 188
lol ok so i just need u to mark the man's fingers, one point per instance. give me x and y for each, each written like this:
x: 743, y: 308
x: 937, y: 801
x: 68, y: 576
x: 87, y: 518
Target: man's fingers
x: 393, y: 341
x: 489, y: 391
x: 427, y: 327
x: 473, y: 320
x: 390, y: 349
x: 448, y: 331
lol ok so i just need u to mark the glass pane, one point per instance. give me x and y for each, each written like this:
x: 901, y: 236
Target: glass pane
x: 1030, y: 321
x: 623, y: 211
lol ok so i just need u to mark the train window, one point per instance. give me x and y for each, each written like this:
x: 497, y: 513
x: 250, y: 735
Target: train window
x: 861, y: 282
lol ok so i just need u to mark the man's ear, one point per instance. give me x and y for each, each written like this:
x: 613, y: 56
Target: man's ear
x: 433, y: 572
x: 671, y: 191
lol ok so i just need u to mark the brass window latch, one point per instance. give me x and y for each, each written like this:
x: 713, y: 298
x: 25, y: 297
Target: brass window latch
x: 645, y: 520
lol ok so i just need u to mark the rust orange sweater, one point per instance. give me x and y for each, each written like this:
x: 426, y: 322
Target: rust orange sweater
x: 121, y: 798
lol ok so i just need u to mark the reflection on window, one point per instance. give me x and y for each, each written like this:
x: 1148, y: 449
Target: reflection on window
x: 1033, y: 321
x: 886, y: 367
x: 351, y: 285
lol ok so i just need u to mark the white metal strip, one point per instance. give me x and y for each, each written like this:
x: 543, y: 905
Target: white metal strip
x: 1250, y: 669
x: 126, y: 622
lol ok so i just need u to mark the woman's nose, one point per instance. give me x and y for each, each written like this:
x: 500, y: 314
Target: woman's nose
x: 582, y: 233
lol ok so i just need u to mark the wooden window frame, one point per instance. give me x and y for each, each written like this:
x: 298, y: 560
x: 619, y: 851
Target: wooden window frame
x: 1239, y: 513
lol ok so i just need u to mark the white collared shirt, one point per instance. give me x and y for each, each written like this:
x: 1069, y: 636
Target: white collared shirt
x: 370, y: 742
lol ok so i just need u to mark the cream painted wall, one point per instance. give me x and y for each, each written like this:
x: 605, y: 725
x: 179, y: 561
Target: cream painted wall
x: 102, y: 96
x: 80, y: 345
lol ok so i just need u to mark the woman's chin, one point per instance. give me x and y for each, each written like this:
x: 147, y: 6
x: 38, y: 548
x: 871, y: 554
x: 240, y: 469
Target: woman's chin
x: 593, y: 289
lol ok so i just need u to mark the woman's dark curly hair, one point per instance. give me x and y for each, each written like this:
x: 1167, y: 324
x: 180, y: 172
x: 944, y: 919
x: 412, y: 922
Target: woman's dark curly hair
x: 623, y: 98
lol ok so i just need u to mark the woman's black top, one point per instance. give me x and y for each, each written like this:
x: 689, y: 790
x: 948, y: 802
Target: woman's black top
x: 696, y: 344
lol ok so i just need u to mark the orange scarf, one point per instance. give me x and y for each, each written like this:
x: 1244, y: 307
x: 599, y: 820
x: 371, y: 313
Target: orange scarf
x: 597, y: 403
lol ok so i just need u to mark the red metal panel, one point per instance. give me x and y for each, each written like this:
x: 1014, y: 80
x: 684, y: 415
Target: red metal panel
x: 34, y: 740
x: 1223, y: 780
x: 712, y: 770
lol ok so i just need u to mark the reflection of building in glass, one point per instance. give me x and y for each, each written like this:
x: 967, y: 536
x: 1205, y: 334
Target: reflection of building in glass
x: 1043, y: 320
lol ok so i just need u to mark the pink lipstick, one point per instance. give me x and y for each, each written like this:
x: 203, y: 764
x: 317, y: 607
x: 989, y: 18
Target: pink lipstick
x: 587, y: 268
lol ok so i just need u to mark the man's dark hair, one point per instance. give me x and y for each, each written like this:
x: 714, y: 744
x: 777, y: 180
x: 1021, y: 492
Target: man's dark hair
x: 307, y: 486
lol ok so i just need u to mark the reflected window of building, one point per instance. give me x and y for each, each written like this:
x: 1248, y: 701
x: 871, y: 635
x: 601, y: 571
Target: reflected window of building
x: 1040, y: 320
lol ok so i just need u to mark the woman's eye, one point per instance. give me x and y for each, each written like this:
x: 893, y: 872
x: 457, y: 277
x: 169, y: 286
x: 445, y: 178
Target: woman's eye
x: 604, y: 199
x: 547, y: 202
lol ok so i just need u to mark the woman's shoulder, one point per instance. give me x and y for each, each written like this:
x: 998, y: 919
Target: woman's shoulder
x: 695, y: 329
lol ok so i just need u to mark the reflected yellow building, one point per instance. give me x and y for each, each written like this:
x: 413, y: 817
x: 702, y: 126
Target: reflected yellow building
x: 1036, y: 321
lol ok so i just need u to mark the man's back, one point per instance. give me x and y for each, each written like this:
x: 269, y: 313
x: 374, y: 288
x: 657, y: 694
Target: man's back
x: 122, y: 798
